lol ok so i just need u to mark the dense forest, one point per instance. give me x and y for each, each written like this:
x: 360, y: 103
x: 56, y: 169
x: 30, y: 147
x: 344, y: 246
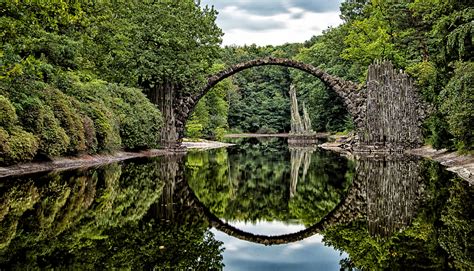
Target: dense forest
x: 75, y: 76
x: 431, y: 40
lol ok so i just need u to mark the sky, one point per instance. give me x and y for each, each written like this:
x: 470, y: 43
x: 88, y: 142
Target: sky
x: 273, y: 22
x: 307, y: 254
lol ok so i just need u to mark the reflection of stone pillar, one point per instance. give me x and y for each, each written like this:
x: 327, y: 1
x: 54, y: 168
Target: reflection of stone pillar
x: 299, y: 155
x: 392, y: 183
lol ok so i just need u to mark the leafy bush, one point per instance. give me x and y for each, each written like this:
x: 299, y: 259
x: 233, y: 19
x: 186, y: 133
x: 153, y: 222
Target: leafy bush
x: 68, y: 117
x: 220, y: 133
x: 458, y: 104
x: 17, y: 146
x: 4, y: 147
x: 140, y: 120
x: 53, y: 139
x: 7, y: 112
x: 39, y: 119
x: 89, y: 133
x: 105, y: 125
x: 194, y: 130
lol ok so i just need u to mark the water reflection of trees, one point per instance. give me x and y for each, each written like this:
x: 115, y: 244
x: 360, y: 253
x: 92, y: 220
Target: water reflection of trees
x: 418, y: 217
x: 136, y: 215
x: 254, y: 182
x: 405, y: 213
x: 98, y: 218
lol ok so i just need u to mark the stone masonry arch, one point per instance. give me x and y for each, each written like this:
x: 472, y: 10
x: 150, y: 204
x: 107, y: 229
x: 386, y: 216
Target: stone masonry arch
x: 387, y: 111
x: 345, y: 89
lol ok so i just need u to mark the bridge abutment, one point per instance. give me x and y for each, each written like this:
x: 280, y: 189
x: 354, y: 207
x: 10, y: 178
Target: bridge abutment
x: 392, y: 113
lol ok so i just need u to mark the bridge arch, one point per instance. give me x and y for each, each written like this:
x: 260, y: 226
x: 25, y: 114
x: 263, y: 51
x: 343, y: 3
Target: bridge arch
x: 388, y: 112
x: 344, y: 89
x: 340, y: 86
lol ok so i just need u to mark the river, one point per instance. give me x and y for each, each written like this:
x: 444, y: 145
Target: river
x: 258, y: 205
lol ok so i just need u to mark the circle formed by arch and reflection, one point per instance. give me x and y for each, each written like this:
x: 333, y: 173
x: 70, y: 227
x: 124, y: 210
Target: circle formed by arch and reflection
x: 341, y: 212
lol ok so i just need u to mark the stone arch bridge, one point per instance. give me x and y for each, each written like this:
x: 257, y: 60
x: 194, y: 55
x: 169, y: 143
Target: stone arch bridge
x: 386, y: 110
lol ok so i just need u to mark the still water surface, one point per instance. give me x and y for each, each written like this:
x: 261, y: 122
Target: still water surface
x: 259, y: 205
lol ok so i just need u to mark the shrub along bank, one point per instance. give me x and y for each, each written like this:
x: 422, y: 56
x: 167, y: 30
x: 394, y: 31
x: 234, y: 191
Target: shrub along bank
x: 46, y: 120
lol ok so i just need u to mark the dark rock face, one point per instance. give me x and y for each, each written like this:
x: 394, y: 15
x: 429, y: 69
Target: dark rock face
x: 387, y: 111
x: 391, y: 116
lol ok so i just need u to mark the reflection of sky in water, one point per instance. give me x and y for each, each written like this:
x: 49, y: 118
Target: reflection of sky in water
x: 308, y: 254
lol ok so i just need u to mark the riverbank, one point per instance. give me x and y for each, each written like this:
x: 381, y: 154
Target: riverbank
x: 65, y: 163
x: 462, y: 165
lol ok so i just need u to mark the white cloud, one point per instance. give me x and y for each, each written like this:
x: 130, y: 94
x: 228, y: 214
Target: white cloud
x: 274, y: 22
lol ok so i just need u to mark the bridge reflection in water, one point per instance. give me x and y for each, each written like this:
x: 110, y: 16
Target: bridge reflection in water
x: 385, y: 191
x: 146, y: 213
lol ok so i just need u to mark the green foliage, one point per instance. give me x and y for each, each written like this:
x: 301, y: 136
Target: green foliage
x: 17, y: 146
x: 52, y: 55
x: 53, y: 139
x: 105, y: 125
x: 8, y: 115
x: 70, y: 220
x: 261, y: 96
x: 326, y: 109
x: 194, y: 130
x: 68, y: 117
x: 458, y: 103
x: 149, y: 43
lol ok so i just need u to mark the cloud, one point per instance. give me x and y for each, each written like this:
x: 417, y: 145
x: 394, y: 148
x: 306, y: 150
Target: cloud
x: 297, y: 15
x: 259, y: 8
x: 317, y: 6
x: 274, y: 7
x: 232, y: 18
x: 273, y: 22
